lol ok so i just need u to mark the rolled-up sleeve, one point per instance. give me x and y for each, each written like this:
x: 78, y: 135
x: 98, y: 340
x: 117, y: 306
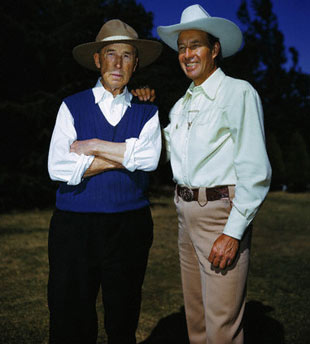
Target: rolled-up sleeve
x: 63, y: 165
x: 143, y: 153
x: 251, y: 162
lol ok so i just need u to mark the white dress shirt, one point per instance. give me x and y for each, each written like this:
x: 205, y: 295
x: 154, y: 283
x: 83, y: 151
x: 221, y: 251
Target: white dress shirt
x: 141, y: 153
x: 216, y: 137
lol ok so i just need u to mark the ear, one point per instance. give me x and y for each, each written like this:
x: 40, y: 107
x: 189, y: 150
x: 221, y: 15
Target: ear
x: 216, y: 50
x: 97, y: 60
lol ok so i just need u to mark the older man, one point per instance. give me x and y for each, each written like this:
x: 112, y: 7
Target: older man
x: 216, y: 144
x: 103, y: 146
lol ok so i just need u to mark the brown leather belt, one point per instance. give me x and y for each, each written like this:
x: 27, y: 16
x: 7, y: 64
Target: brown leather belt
x: 212, y: 194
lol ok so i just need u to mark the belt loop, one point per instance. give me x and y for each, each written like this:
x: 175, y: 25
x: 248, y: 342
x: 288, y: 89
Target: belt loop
x: 202, y: 197
x: 231, y: 192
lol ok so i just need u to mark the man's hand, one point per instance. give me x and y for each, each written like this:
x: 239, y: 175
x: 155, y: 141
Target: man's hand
x: 100, y: 165
x: 85, y: 147
x: 224, y: 251
x: 144, y: 94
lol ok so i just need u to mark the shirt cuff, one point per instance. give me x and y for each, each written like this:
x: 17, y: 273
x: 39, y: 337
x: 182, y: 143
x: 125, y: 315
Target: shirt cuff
x: 82, y: 165
x: 129, y: 161
x: 236, y: 224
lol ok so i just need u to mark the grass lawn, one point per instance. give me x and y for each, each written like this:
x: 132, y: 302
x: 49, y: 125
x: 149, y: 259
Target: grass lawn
x: 278, y: 307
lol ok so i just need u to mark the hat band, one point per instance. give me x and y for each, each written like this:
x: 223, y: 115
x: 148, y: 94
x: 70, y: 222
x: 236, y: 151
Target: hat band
x: 116, y: 38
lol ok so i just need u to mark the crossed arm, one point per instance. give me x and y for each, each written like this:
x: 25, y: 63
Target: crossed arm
x: 108, y: 155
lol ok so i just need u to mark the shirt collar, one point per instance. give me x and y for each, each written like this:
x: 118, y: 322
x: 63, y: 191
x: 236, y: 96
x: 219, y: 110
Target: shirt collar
x: 100, y: 93
x: 209, y: 87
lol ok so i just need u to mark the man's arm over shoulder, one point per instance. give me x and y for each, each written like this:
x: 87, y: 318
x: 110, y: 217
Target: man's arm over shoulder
x: 174, y: 116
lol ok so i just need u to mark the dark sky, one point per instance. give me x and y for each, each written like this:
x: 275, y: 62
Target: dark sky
x: 293, y: 18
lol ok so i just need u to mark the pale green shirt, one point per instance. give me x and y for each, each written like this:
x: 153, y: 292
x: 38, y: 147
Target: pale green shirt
x: 216, y: 137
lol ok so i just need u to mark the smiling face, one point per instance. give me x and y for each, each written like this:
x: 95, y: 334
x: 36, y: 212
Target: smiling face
x: 195, y: 57
x: 116, y: 62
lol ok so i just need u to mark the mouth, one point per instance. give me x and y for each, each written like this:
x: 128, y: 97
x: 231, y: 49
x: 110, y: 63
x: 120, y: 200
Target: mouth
x: 190, y: 66
x: 117, y: 75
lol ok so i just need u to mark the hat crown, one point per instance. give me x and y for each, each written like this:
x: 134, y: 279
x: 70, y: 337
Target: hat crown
x: 116, y: 31
x: 116, y: 28
x: 194, y: 12
x: 196, y: 17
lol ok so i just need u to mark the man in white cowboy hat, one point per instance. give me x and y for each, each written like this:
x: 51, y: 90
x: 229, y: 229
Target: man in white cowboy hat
x: 103, y: 146
x: 215, y: 140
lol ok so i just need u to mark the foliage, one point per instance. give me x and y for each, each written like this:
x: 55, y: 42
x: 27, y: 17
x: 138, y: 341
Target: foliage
x: 285, y: 93
x: 38, y: 71
x: 298, y: 164
x: 284, y: 90
x: 277, y: 163
x: 47, y: 31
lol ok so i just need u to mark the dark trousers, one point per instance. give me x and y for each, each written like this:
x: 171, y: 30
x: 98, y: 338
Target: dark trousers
x: 87, y: 251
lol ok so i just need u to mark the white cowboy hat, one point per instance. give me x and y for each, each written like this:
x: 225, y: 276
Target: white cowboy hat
x: 196, y: 18
x: 116, y: 31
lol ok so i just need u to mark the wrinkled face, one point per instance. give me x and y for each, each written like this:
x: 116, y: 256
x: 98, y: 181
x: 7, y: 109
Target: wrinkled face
x: 195, y: 57
x: 116, y: 62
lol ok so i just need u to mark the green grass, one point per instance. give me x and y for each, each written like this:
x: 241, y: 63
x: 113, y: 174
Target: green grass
x: 279, y: 273
x: 278, y: 288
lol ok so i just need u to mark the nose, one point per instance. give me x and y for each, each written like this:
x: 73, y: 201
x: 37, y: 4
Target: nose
x: 188, y: 53
x: 118, y: 61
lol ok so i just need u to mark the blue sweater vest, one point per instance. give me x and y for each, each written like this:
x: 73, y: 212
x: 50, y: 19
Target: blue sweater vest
x: 115, y: 190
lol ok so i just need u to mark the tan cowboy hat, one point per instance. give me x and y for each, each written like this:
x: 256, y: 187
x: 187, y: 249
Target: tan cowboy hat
x: 196, y: 18
x: 116, y: 31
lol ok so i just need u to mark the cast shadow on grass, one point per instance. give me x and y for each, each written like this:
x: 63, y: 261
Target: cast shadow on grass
x: 259, y: 327
x: 171, y: 329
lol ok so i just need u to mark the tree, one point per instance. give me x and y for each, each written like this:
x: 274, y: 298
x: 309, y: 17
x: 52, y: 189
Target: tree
x: 38, y: 71
x: 263, y: 62
x: 298, y: 164
x: 41, y: 34
x: 277, y: 163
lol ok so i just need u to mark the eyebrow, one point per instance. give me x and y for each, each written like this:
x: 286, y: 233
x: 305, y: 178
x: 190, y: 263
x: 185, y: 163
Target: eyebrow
x: 122, y: 52
x: 191, y: 42
x: 110, y: 49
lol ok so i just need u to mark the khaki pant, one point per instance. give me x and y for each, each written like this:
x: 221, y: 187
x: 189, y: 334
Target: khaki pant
x: 214, y: 299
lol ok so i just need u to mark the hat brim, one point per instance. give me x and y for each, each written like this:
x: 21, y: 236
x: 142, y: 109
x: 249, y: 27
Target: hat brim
x: 148, y: 51
x: 226, y: 31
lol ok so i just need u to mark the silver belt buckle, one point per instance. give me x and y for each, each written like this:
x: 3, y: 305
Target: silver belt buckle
x: 186, y: 194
